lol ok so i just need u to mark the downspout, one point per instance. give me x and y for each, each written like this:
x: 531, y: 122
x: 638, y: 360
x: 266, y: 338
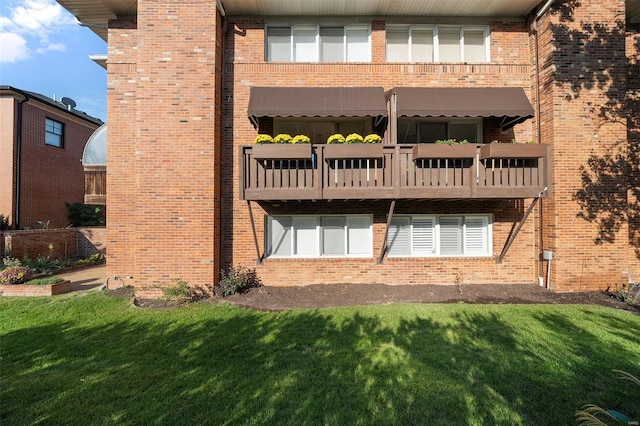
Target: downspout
x: 16, y: 208
x: 534, y: 28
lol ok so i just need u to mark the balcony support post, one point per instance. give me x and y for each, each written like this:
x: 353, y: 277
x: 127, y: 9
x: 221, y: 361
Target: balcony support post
x: 383, y: 250
x: 255, y: 235
x: 515, y: 233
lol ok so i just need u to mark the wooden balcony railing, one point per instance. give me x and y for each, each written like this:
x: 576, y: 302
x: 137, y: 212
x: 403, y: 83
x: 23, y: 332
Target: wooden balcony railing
x: 368, y: 171
x: 95, y: 185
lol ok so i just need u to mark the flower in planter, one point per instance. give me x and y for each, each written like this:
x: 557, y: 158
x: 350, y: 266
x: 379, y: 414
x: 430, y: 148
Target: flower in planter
x: 452, y: 142
x: 262, y: 138
x: 301, y: 139
x: 336, y: 138
x: 354, y: 138
x: 282, y: 138
x: 372, y: 138
x: 15, y: 275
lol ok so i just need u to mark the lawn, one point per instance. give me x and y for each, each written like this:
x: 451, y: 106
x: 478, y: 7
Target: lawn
x: 92, y: 359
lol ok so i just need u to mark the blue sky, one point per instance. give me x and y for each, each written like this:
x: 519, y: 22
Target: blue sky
x: 43, y: 49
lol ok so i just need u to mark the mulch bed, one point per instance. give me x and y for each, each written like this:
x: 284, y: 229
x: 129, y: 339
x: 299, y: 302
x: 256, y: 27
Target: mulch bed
x: 330, y: 295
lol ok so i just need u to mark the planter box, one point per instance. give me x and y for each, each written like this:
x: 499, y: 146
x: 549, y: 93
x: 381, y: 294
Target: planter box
x: 281, y: 151
x: 27, y: 290
x: 433, y: 150
x: 350, y: 151
x: 513, y: 150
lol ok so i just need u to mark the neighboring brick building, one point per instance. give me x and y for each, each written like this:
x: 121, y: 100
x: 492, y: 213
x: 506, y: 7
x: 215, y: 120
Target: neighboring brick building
x: 191, y: 84
x: 41, y: 146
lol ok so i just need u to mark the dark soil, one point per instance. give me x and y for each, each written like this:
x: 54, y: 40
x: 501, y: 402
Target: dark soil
x: 329, y: 295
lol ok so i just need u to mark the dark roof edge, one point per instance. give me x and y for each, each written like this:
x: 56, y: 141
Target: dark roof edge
x: 58, y: 105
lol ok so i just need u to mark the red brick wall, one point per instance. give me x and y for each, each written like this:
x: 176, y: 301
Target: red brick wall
x: 245, y: 67
x: 581, y: 78
x: 174, y: 151
x: 55, y: 243
x: 50, y: 176
x: 163, y: 152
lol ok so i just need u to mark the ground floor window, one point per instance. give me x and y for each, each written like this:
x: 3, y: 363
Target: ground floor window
x: 319, y: 236
x: 431, y: 130
x: 440, y: 235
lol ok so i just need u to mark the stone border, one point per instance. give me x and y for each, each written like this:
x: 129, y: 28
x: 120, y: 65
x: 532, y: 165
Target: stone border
x: 27, y: 290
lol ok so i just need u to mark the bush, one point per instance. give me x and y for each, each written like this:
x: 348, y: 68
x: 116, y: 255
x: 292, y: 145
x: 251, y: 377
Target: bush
x: 301, y: 139
x: 354, y: 138
x: 372, y: 138
x: 237, y: 280
x: 282, y: 138
x: 15, y: 275
x: 262, y: 139
x: 179, y: 291
x: 336, y: 138
x: 8, y: 262
x: 85, y: 214
x: 452, y: 142
x: 4, y: 223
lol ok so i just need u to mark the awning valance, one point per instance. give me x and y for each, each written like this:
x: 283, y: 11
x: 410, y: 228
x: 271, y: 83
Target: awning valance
x: 509, y: 103
x: 316, y: 102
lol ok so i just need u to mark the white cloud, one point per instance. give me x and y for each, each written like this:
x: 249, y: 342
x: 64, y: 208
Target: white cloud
x: 13, y: 48
x: 33, y: 22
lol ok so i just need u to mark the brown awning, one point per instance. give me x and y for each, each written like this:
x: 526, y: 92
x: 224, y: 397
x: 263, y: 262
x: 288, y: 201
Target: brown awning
x: 316, y: 102
x: 509, y: 103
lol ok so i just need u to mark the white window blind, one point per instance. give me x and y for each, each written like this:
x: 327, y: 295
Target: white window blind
x: 443, y: 235
x: 315, y: 236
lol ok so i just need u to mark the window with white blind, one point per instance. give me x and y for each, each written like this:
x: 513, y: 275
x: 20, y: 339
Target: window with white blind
x: 315, y: 43
x: 440, y: 235
x: 437, y: 43
x: 319, y: 236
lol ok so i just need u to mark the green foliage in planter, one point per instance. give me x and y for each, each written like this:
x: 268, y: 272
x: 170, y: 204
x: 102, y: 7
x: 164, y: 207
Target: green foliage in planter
x: 263, y: 139
x: 15, y: 275
x: 8, y: 262
x: 237, y: 280
x: 372, y: 138
x: 282, y: 138
x: 301, y: 139
x: 336, y: 138
x: 45, y: 281
x: 452, y: 142
x: 85, y: 214
x: 354, y: 138
x: 94, y: 259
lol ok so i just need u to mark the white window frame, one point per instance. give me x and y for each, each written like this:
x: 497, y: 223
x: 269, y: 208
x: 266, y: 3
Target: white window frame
x: 318, y: 236
x: 466, y: 230
x: 317, y: 54
x: 436, y: 44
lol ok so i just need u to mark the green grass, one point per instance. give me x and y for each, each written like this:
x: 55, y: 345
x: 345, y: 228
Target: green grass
x: 92, y: 359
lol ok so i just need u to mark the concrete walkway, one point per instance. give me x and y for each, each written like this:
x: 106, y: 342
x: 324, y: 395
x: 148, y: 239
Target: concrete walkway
x: 90, y: 278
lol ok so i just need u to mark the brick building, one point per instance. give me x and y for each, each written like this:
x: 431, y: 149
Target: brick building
x: 192, y: 83
x: 41, y: 145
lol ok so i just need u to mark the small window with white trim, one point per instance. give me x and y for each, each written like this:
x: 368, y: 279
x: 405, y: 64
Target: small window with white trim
x: 315, y: 43
x: 319, y: 236
x: 438, y: 43
x: 440, y: 235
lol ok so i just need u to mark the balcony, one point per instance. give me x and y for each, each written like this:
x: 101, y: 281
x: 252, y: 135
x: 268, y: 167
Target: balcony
x: 425, y: 171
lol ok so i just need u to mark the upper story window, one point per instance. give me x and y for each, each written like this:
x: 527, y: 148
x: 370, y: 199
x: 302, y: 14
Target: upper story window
x: 437, y: 43
x: 315, y: 43
x: 54, y: 133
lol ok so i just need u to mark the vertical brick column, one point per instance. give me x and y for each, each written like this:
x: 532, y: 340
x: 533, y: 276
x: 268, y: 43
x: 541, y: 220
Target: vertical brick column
x: 582, y: 65
x: 163, y: 215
